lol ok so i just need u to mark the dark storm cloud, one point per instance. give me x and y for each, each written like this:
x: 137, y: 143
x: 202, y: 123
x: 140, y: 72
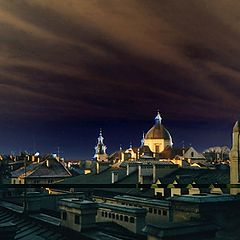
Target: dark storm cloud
x: 119, y: 59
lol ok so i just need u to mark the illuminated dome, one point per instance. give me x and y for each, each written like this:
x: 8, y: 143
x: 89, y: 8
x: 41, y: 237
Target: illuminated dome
x: 158, y: 131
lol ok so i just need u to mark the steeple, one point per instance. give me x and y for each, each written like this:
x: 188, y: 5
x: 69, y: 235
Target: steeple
x: 100, y: 138
x: 158, y: 118
x: 100, y: 148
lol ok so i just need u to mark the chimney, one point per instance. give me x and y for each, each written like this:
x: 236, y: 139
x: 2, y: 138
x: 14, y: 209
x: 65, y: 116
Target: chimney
x: 101, y: 166
x: 156, y: 171
x: 48, y: 163
x: 114, y: 176
x: 131, y: 167
x: 144, y: 170
x: 32, y: 203
x: 77, y: 214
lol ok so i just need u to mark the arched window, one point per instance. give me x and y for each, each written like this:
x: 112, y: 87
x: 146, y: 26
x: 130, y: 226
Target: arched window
x: 125, y: 218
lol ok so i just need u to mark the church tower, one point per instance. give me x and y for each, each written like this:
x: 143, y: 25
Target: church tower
x: 100, y: 149
x: 235, y: 158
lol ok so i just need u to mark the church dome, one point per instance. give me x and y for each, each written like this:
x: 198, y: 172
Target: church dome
x: 158, y: 131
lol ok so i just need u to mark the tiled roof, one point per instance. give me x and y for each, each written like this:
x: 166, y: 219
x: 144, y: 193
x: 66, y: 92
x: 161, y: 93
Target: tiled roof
x: 28, y: 228
x: 40, y: 170
x: 199, y: 176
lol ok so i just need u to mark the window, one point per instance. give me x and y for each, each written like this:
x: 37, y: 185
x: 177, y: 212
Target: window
x: 125, y: 218
x: 150, y: 210
x: 113, y: 216
x: 117, y: 216
x: 102, y: 214
x: 164, y: 212
x: 77, y: 219
x: 157, y: 149
x: 109, y: 215
x: 105, y: 214
x: 64, y: 216
x: 14, y: 181
x: 192, y: 154
x: 155, y: 211
x: 121, y: 217
x: 159, y: 212
x: 131, y: 219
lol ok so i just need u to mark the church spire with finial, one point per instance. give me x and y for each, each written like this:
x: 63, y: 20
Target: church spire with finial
x: 100, y: 148
x: 158, y: 118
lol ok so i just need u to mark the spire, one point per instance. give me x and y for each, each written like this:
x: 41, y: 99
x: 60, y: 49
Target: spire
x: 100, y: 148
x: 142, y: 140
x: 100, y: 138
x: 130, y: 146
x: 158, y: 118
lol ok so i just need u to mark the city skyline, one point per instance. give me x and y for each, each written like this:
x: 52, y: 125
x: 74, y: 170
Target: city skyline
x: 78, y: 140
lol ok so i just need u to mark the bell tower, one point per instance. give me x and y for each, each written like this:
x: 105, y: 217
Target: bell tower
x: 235, y: 158
x: 100, y: 149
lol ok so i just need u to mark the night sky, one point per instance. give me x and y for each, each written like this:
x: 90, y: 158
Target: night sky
x: 69, y: 68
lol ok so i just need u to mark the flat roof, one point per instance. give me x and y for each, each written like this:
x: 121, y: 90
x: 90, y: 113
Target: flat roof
x: 205, y: 198
x: 121, y: 208
x: 143, y: 200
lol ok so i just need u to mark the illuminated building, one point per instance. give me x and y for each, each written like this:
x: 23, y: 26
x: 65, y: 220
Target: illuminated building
x: 234, y: 158
x: 100, y: 149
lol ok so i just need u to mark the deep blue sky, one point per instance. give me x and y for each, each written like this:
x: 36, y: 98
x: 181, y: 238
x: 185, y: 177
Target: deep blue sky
x: 68, y: 68
x: 77, y: 139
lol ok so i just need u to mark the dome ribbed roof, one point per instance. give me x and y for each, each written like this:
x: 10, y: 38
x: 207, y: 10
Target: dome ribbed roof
x: 158, y: 131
